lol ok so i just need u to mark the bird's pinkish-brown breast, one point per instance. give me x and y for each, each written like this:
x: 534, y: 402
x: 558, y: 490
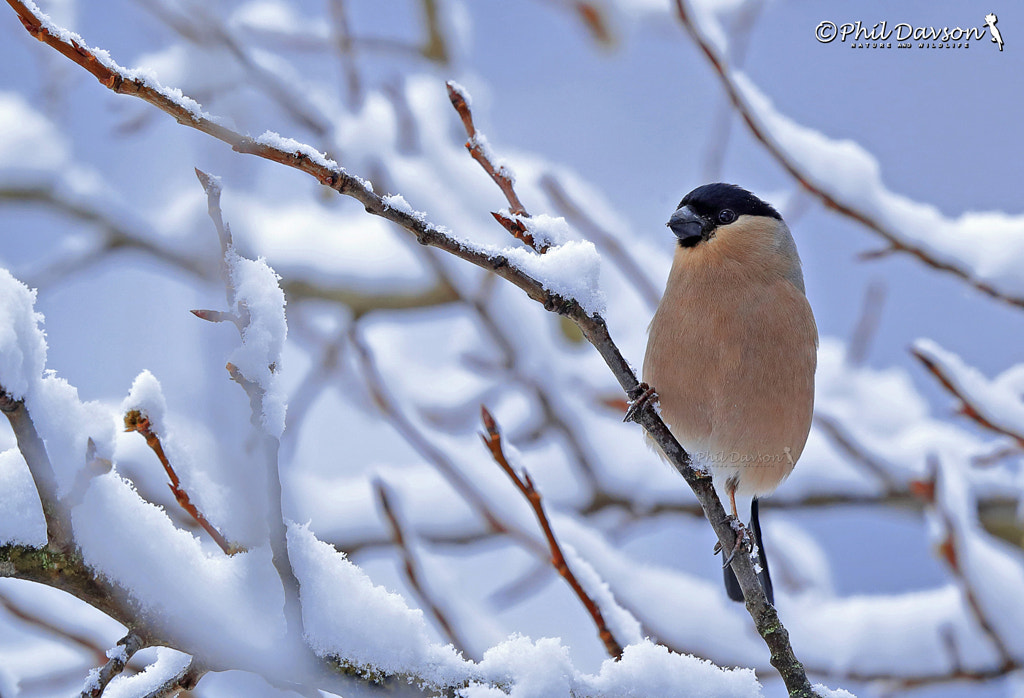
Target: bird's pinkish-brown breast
x: 732, y: 353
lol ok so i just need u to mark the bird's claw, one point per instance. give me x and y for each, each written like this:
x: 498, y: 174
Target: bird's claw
x: 742, y: 543
x: 647, y: 395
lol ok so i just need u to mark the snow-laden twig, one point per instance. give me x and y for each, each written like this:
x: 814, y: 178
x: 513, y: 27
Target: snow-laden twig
x: 259, y: 305
x: 118, y: 659
x: 58, y: 522
x: 991, y: 405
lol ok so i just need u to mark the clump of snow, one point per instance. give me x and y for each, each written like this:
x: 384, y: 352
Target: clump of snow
x: 169, y: 663
x: 147, y: 397
x: 824, y: 691
x: 290, y: 145
x: 22, y: 343
x: 397, y: 202
x: 227, y: 606
x: 21, y: 514
x: 346, y: 615
x: 259, y: 358
x: 542, y: 668
x: 572, y: 270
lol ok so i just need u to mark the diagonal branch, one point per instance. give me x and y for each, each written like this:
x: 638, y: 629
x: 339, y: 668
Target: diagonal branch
x: 480, y: 150
x: 492, y: 439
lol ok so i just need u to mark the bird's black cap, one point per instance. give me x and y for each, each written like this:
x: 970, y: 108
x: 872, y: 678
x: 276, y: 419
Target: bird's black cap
x: 708, y: 200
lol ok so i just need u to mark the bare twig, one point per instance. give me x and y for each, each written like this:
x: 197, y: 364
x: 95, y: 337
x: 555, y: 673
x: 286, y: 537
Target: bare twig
x: 136, y: 421
x: 413, y: 568
x: 895, y: 242
x: 477, y: 147
x: 127, y: 646
x: 431, y: 453
x: 492, y: 439
x: 846, y: 443
x: 29, y: 617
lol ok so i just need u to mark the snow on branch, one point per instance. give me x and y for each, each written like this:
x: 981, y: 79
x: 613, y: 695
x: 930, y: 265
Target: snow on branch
x: 984, y: 249
x: 994, y: 404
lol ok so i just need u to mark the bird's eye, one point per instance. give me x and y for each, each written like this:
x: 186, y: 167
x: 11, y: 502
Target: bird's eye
x: 726, y: 216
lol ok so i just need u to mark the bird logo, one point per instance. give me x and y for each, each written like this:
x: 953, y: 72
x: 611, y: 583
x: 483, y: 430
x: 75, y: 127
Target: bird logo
x: 990, y: 21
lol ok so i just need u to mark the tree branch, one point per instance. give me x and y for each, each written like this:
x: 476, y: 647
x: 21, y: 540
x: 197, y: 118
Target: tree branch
x: 492, y: 439
x: 119, y: 657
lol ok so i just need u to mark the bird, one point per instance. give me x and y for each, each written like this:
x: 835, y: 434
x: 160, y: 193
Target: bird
x: 732, y: 350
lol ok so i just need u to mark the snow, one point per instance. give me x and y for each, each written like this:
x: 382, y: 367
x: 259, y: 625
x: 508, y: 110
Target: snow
x: 22, y: 343
x: 290, y: 145
x: 572, y: 271
x: 147, y: 397
x: 542, y: 669
x: 21, y: 515
x: 346, y: 615
x: 998, y: 399
x: 257, y: 291
x: 168, y: 664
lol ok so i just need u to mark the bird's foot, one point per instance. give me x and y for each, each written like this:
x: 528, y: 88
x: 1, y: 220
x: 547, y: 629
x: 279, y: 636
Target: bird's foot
x: 743, y: 541
x: 646, y: 395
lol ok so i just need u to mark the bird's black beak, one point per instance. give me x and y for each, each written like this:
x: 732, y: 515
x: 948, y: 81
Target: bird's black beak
x: 687, y: 226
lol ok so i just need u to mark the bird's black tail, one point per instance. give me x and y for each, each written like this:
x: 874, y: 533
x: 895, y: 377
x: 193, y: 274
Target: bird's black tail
x: 732, y: 585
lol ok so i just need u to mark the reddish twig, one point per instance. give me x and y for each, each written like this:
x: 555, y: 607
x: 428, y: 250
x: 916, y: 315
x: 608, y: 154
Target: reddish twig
x: 411, y: 565
x: 492, y: 439
x: 477, y: 147
x: 792, y: 166
x: 134, y: 420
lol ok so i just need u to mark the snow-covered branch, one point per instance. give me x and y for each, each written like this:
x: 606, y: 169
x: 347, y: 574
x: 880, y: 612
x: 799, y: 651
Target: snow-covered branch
x: 983, y: 249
